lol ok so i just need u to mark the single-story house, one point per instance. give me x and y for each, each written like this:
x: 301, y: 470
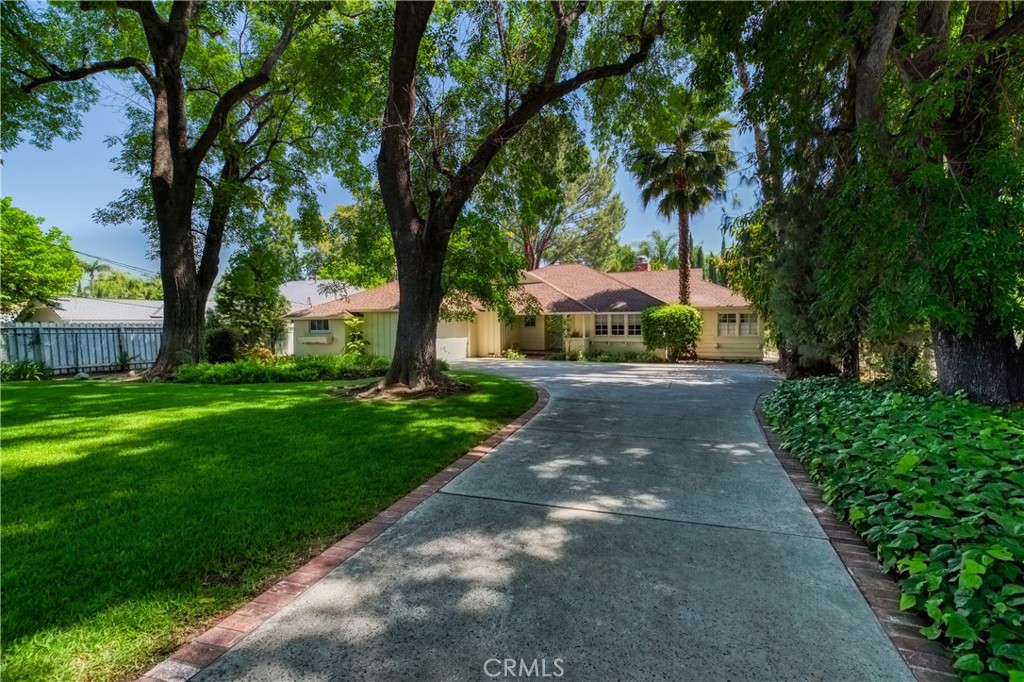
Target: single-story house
x: 599, y: 311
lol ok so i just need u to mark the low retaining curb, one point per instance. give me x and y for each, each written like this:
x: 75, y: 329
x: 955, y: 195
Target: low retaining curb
x: 926, y: 659
x: 202, y: 650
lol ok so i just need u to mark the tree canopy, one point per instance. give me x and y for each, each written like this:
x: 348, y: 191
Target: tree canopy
x: 34, y: 265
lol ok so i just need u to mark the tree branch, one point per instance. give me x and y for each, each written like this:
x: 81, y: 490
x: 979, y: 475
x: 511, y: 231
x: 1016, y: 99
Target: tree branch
x: 1014, y: 25
x: 59, y: 75
x: 565, y: 22
x: 538, y: 95
x: 393, y: 169
x: 237, y: 92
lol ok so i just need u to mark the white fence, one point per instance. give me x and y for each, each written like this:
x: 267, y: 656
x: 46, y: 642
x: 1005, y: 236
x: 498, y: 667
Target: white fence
x: 70, y: 348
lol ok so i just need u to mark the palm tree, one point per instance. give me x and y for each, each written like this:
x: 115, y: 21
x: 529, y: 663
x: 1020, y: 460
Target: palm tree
x: 659, y: 249
x: 687, y: 175
x: 91, y: 270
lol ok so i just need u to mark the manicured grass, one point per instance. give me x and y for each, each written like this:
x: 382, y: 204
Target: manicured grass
x: 133, y: 512
x: 935, y: 484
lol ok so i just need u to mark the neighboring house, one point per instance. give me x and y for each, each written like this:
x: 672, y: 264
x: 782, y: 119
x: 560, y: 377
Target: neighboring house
x: 77, y: 310
x: 601, y: 311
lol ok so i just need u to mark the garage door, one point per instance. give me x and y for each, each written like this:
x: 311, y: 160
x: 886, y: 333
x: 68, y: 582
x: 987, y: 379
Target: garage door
x: 452, y: 340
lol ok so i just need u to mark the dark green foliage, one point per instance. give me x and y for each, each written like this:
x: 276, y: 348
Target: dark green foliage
x: 285, y: 369
x: 675, y: 328
x: 249, y: 300
x: 24, y: 370
x: 222, y: 345
x: 936, y: 485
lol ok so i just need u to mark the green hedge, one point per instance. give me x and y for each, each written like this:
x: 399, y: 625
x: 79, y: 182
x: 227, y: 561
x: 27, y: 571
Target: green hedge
x: 285, y: 369
x: 936, y: 485
x: 674, y: 327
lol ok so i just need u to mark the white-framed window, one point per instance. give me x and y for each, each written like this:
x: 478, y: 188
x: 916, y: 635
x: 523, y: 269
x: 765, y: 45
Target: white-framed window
x: 748, y: 324
x: 319, y: 326
x: 727, y: 324
x: 618, y: 324
x: 530, y: 322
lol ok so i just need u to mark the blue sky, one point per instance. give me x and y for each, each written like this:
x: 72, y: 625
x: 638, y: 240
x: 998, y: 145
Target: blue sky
x: 67, y: 183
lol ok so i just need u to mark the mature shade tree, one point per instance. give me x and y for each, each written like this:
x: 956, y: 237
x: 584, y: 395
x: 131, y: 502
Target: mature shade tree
x: 555, y: 200
x: 34, y: 265
x: 206, y: 73
x: 685, y: 176
x: 895, y: 128
x: 450, y: 111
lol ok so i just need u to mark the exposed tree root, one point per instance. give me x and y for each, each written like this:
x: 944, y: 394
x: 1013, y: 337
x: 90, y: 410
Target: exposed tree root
x: 442, y: 387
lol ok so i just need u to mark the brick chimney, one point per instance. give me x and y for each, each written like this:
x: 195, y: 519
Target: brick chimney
x: 641, y: 264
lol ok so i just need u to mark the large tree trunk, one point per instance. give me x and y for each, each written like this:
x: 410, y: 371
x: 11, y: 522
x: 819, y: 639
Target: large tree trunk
x: 420, y: 263
x: 184, y: 295
x: 684, y: 258
x: 986, y: 364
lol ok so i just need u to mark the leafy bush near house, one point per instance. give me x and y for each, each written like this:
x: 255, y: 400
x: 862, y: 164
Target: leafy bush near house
x: 222, y: 345
x: 512, y: 354
x: 674, y: 327
x: 285, y: 369
x: 935, y: 484
x: 258, y: 352
x: 24, y: 370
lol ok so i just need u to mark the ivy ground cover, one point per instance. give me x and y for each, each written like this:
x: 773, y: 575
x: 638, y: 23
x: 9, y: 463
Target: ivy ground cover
x: 935, y: 484
x: 134, y: 512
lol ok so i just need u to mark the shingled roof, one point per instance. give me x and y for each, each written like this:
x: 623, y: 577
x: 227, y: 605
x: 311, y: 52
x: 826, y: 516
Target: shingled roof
x: 568, y: 288
x: 664, y: 285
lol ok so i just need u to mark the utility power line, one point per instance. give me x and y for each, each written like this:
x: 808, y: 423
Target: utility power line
x: 89, y: 255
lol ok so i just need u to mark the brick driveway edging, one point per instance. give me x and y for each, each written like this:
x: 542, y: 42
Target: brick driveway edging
x: 926, y: 659
x: 202, y: 650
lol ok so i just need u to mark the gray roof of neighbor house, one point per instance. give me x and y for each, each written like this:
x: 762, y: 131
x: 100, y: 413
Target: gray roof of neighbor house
x: 77, y: 309
x: 304, y: 293
x: 568, y: 288
x: 300, y: 294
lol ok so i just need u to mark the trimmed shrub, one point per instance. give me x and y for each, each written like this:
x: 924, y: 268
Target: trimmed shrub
x: 674, y: 327
x: 222, y: 345
x: 935, y: 484
x: 285, y: 369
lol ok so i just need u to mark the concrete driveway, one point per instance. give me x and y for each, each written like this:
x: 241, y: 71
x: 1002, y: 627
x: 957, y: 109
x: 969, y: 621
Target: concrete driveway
x: 638, y: 528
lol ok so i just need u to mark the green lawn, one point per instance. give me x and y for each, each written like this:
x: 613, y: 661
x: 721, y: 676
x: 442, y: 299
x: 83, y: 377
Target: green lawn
x: 134, y: 512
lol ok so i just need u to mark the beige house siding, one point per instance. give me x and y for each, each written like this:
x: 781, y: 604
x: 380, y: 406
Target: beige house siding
x: 714, y: 347
x: 510, y: 335
x: 487, y: 335
x: 306, y: 342
x: 44, y: 314
x: 531, y: 338
x: 380, y: 330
